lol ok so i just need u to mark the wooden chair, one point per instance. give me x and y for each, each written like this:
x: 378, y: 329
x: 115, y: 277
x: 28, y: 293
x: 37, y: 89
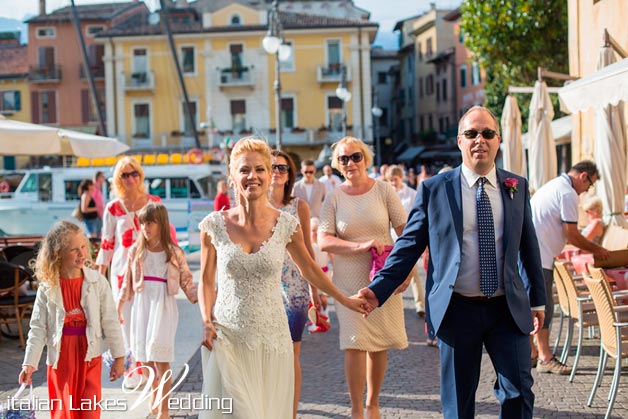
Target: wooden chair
x: 613, y: 344
x: 14, y: 306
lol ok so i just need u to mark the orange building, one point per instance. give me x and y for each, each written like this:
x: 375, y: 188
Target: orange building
x: 59, y: 86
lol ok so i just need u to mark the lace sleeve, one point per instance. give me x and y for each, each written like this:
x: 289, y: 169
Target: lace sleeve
x: 287, y: 225
x: 209, y: 225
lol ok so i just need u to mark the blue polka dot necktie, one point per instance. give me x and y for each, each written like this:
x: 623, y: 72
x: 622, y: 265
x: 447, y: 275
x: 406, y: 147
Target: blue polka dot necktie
x: 486, y: 237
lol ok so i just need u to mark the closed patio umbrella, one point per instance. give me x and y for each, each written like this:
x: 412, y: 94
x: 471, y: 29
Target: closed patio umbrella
x: 23, y: 138
x: 512, y: 149
x: 541, y: 148
x: 610, y: 152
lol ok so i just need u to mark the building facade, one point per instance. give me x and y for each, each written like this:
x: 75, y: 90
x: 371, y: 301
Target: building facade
x: 57, y: 76
x: 229, y: 76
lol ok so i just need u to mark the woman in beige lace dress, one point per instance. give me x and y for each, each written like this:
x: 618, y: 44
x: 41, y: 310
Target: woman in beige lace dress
x: 356, y: 217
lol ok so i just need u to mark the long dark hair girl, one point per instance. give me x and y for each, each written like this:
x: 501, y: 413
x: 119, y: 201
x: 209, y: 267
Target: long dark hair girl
x: 158, y: 214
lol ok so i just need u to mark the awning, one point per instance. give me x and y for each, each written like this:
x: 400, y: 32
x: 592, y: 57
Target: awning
x: 561, y: 130
x: 607, y: 86
x: 411, y: 153
x: 441, y: 154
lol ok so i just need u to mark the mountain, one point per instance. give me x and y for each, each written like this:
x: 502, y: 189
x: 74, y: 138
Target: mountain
x: 12, y: 25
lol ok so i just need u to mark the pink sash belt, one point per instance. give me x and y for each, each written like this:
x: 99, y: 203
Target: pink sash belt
x: 74, y: 330
x: 154, y: 278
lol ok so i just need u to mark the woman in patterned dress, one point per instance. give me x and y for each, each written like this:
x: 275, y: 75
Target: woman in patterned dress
x: 295, y: 290
x: 120, y: 229
x: 356, y: 217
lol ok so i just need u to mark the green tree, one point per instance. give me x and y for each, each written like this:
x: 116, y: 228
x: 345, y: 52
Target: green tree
x: 511, y: 39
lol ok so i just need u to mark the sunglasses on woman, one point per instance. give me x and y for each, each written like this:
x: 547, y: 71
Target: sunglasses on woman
x: 472, y: 134
x: 355, y: 157
x: 126, y: 175
x: 281, y: 168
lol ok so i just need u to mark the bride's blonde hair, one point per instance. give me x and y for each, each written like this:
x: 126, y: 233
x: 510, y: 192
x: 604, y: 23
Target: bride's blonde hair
x: 248, y: 145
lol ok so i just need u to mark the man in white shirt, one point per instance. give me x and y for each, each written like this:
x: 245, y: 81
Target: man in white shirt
x: 555, y: 218
x: 329, y: 179
x: 310, y: 189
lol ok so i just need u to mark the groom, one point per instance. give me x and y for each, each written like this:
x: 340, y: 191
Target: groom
x: 477, y: 223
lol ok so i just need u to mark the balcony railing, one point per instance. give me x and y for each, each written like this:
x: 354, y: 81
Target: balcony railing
x: 45, y: 74
x: 139, y: 81
x: 98, y: 72
x: 231, y: 77
x: 331, y: 73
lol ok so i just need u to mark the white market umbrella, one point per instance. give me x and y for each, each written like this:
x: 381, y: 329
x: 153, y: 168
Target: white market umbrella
x: 541, y: 147
x: 610, y: 152
x: 512, y: 150
x: 23, y: 138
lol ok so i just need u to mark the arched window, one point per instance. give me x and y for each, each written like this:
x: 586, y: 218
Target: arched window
x: 236, y: 20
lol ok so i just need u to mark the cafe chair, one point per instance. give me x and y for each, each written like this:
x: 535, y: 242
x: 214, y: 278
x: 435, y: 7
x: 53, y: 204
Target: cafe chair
x: 563, y: 304
x: 581, y: 313
x: 13, y: 306
x: 10, y: 252
x: 613, y: 344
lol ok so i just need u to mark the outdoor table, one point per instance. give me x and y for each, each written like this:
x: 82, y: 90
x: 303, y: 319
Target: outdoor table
x: 619, y: 276
x: 580, y: 261
x: 568, y: 252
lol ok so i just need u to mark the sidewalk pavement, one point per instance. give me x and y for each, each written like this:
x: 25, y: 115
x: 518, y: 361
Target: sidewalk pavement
x: 410, y: 390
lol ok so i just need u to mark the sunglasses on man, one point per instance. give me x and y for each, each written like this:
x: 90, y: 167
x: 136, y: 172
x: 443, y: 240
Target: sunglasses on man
x: 472, y: 134
x: 126, y: 175
x: 355, y: 157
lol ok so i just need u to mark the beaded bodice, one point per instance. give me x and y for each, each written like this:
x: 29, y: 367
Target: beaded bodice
x: 249, y: 306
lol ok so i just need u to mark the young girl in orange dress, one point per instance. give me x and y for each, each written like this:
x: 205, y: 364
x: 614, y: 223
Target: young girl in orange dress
x: 156, y: 270
x: 74, y: 312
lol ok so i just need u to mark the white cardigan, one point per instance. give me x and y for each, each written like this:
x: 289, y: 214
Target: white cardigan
x: 46, y: 327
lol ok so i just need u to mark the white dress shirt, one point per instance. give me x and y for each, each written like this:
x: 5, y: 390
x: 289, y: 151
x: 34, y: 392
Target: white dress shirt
x: 468, y: 281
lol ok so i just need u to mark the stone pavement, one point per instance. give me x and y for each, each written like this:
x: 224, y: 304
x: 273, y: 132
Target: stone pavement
x: 410, y: 390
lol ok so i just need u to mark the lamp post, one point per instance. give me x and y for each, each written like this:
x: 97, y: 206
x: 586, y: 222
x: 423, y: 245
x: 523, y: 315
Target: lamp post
x: 377, y: 113
x: 345, y: 95
x: 274, y: 43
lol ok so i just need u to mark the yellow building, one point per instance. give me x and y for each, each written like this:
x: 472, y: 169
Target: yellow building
x: 587, y: 22
x: 229, y: 77
x: 14, y: 91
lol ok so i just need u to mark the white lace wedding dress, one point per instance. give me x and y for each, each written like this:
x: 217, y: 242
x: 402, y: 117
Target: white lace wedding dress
x: 252, y: 359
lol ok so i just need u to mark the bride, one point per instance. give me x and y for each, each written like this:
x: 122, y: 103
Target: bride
x: 247, y: 354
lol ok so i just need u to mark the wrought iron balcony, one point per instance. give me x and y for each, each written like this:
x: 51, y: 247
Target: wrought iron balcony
x: 144, y: 80
x: 331, y: 73
x: 98, y: 71
x: 234, y: 77
x: 51, y: 74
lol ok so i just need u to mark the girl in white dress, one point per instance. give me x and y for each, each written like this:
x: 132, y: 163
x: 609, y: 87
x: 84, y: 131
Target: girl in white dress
x: 244, y: 321
x: 156, y: 270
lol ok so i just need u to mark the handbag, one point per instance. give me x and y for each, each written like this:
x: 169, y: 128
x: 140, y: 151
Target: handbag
x: 19, y: 409
x: 378, y: 261
x: 77, y: 213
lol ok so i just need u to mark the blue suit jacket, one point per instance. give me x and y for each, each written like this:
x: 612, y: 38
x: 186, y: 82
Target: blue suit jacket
x: 436, y: 221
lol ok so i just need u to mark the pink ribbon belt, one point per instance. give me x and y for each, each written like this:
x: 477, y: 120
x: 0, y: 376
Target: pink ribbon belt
x: 74, y: 330
x: 154, y: 278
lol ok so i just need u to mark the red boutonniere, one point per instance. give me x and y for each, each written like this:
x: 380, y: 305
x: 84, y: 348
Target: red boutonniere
x: 511, y: 185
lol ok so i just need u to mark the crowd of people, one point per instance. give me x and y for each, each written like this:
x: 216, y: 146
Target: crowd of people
x: 276, y: 248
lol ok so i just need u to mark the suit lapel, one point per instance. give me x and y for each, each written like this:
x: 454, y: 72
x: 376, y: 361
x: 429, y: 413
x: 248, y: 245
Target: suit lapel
x: 507, y: 203
x: 454, y: 194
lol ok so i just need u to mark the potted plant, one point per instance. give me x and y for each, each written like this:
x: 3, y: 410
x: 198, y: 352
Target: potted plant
x: 298, y: 129
x: 140, y: 135
x: 176, y: 133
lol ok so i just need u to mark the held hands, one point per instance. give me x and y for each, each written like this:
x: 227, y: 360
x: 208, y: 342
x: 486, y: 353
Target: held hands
x: 358, y: 304
x: 537, y: 319
x: 371, y: 300
x: 26, y: 374
x: 117, y: 369
x: 120, y: 317
x: 209, y: 335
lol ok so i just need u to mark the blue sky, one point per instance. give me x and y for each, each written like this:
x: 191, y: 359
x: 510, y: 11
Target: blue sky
x: 385, y: 12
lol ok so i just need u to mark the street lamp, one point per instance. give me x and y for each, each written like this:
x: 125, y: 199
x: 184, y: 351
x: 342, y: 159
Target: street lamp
x: 274, y: 43
x: 377, y: 113
x: 345, y: 95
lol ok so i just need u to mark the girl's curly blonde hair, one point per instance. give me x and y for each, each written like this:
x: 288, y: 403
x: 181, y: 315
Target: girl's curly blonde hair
x: 48, y: 263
